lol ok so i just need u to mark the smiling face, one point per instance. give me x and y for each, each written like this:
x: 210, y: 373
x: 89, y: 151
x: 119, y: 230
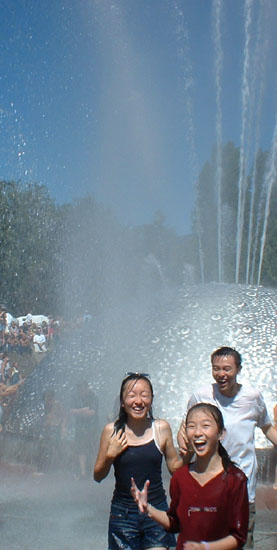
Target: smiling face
x: 137, y: 398
x: 203, y: 432
x: 225, y: 371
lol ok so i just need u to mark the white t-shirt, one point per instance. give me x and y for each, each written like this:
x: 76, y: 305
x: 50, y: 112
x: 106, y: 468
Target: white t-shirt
x: 242, y: 414
x: 39, y: 342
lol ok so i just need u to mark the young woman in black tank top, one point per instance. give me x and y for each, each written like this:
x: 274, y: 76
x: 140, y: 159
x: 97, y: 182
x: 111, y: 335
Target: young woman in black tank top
x: 135, y: 444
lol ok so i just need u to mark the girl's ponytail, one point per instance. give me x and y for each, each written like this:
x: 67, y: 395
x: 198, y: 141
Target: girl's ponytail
x: 226, y: 460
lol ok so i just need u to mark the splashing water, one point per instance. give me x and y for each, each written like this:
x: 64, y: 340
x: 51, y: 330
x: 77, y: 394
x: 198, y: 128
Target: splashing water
x: 217, y: 8
x: 243, y: 160
x: 270, y: 178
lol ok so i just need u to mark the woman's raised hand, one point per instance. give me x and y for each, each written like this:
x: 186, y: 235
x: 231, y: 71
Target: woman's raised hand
x: 140, y: 497
x: 117, y: 444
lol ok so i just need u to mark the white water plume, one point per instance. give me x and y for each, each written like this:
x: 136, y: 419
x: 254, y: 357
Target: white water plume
x: 257, y: 94
x: 257, y: 230
x: 245, y: 109
x: 262, y: 49
x: 270, y: 179
x: 130, y: 122
x: 217, y: 9
x: 186, y: 70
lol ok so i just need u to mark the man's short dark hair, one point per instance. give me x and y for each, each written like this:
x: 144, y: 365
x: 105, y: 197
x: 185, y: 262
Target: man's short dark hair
x: 225, y: 352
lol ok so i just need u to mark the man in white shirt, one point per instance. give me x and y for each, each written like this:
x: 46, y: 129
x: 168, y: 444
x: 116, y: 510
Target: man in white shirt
x: 39, y: 341
x: 243, y: 408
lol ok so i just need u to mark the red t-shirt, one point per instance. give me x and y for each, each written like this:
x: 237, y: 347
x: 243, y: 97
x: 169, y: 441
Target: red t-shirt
x: 209, y: 512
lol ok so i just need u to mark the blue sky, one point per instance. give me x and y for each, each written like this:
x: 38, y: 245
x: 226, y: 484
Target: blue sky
x: 118, y: 98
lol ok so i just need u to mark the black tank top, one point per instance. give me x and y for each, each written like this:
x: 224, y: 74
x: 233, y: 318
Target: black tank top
x: 141, y: 462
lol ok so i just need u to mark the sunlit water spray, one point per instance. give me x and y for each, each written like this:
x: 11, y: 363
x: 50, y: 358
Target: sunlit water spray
x: 257, y: 95
x: 184, y: 56
x: 270, y: 179
x: 19, y: 157
x: 257, y: 88
x: 172, y: 342
x: 243, y: 160
x: 217, y: 9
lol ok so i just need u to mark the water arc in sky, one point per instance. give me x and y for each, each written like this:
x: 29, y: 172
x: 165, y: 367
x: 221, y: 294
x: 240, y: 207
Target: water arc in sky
x: 243, y: 159
x: 270, y: 179
x: 257, y: 95
x: 186, y: 68
x: 217, y: 9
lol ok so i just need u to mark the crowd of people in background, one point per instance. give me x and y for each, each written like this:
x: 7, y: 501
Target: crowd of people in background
x: 80, y: 419
x: 21, y: 340
x: 27, y: 333
x: 24, y: 342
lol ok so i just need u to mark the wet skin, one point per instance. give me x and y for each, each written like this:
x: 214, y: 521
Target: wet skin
x: 202, y: 433
x: 225, y: 371
x: 137, y: 399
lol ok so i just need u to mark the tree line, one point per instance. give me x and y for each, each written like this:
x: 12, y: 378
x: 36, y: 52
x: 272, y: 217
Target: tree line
x: 64, y: 259
x: 258, y: 191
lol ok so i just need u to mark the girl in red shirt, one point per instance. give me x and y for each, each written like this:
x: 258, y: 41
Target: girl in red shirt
x: 209, y: 501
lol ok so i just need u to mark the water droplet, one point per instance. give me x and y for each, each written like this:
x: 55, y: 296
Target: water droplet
x: 216, y: 317
x: 247, y: 330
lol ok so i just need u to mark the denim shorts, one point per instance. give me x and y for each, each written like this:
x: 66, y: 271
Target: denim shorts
x: 131, y: 530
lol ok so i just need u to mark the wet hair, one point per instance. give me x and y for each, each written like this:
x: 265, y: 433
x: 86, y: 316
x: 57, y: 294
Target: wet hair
x: 225, y: 352
x: 120, y: 422
x: 217, y: 416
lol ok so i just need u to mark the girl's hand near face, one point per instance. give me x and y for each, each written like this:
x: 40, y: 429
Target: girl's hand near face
x: 111, y: 445
x: 117, y: 444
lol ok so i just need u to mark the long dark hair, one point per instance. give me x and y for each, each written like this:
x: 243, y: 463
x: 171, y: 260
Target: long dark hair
x: 217, y: 415
x: 120, y: 422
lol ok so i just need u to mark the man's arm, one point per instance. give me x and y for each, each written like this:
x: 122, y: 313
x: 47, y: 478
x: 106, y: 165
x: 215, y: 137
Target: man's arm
x: 270, y: 430
x: 185, y: 452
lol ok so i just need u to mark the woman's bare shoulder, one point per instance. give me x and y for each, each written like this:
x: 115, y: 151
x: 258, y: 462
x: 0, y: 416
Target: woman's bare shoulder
x: 109, y: 428
x: 163, y: 427
x: 162, y: 424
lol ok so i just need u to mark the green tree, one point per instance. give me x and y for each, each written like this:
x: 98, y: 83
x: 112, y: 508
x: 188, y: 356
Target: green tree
x: 27, y: 247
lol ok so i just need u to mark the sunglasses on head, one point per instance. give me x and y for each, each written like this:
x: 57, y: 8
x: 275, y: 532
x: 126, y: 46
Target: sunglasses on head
x: 138, y: 374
